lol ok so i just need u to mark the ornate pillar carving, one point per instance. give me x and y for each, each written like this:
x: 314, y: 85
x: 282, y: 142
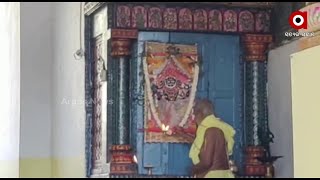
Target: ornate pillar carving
x: 97, y: 158
x: 256, y: 112
x: 122, y: 157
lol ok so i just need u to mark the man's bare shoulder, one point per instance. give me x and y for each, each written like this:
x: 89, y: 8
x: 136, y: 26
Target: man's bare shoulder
x: 214, y: 132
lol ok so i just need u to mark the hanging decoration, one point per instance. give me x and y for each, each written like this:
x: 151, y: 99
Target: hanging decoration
x: 171, y: 76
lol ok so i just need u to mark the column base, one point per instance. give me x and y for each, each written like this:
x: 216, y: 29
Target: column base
x: 254, y: 167
x: 97, y: 167
x: 122, y: 161
x: 101, y: 171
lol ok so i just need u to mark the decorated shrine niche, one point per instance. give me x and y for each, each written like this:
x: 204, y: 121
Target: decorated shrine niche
x: 158, y: 59
x: 171, y: 77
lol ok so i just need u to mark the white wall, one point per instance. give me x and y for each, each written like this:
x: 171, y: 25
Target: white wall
x: 305, y: 107
x: 10, y: 91
x: 53, y: 131
x: 68, y: 84
x: 36, y: 88
x: 279, y: 104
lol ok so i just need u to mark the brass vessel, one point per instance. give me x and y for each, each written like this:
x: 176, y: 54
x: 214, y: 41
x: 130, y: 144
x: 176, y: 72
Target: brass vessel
x: 269, y: 171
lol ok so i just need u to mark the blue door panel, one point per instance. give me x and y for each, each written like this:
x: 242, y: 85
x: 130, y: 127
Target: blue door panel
x: 220, y: 83
x: 179, y: 164
x: 222, y: 112
x: 153, y: 156
x: 149, y: 154
x: 223, y: 73
x: 183, y: 164
x: 225, y: 91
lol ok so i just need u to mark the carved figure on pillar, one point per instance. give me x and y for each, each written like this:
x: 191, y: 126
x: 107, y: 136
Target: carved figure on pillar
x: 97, y: 129
x: 122, y: 159
x: 256, y: 112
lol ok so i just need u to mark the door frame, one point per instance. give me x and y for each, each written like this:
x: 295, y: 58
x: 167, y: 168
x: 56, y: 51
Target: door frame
x: 239, y: 95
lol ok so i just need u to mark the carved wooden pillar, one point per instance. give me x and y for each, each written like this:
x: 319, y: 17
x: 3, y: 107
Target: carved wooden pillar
x: 97, y: 128
x: 256, y: 112
x: 122, y: 157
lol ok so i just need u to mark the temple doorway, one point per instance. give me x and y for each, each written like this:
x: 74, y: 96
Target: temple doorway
x: 220, y: 80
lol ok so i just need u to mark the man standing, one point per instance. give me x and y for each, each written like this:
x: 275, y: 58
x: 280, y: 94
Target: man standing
x: 213, y: 144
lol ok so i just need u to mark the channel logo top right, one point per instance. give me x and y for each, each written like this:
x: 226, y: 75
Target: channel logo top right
x: 299, y: 20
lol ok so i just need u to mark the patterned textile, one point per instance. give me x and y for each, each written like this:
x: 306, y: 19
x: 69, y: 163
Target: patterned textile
x: 171, y: 70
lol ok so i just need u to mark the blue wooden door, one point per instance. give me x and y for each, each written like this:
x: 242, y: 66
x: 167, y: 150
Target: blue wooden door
x: 219, y: 81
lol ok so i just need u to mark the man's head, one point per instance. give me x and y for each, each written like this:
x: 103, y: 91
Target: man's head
x: 202, y: 109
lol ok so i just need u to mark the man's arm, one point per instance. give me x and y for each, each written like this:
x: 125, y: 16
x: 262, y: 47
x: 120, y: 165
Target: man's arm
x: 180, y: 132
x: 212, y: 138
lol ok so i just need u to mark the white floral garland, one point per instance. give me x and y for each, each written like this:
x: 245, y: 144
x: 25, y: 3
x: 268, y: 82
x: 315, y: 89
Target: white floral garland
x: 151, y: 102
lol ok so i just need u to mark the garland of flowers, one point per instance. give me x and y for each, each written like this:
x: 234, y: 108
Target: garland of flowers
x: 192, y: 96
x: 151, y: 102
